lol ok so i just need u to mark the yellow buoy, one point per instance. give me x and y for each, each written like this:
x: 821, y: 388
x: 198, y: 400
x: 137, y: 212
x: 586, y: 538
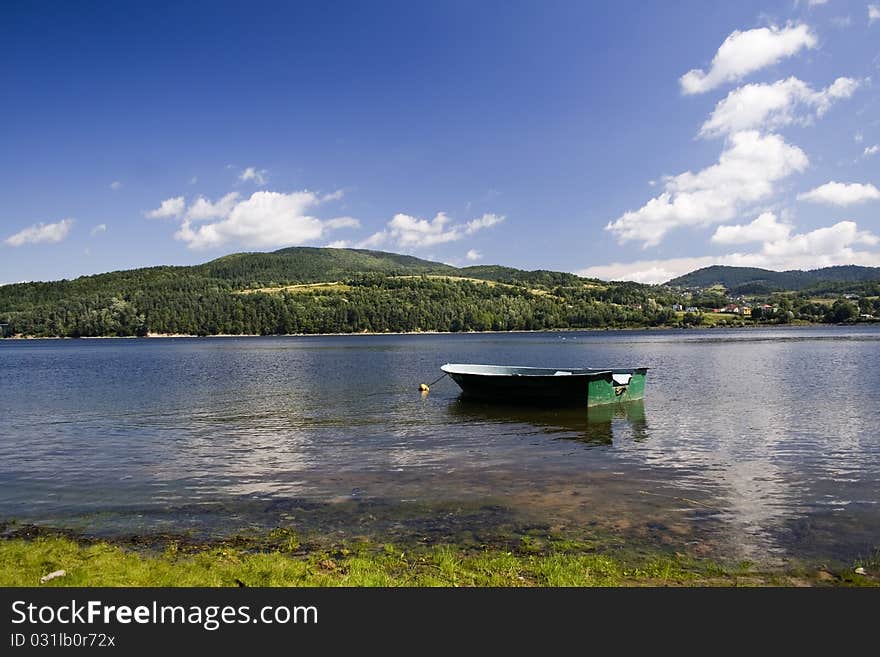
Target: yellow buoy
x: 423, y: 387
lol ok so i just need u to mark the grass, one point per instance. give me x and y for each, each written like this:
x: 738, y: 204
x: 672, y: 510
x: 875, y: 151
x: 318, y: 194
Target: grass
x: 300, y: 288
x: 711, y: 319
x: 342, y: 287
x: 24, y: 561
x: 481, y: 281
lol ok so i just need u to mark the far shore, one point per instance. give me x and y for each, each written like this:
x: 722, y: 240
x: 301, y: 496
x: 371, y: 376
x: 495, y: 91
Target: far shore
x: 376, y: 333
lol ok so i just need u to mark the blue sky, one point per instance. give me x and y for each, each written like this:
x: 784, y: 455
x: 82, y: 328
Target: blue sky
x: 634, y: 140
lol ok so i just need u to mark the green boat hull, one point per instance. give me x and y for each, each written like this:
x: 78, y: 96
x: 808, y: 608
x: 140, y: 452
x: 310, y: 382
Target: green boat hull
x: 549, y: 386
x: 606, y: 391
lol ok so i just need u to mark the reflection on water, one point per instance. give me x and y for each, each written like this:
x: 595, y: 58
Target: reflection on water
x: 757, y: 444
x: 593, y: 425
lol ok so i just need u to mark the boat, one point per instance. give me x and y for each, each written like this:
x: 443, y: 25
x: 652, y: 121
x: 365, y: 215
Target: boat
x: 548, y: 385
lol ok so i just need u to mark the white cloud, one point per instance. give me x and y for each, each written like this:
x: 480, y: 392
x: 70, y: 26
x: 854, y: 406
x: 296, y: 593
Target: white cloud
x: 342, y: 222
x: 266, y: 219
x: 871, y: 150
x: 743, y: 53
x: 338, y: 244
x: 770, y: 106
x: 858, y: 137
x: 116, y: 185
x: 373, y: 241
x: 410, y: 232
x: 41, y: 233
x: 824, y: 247
x: 258, y: 176
x: 842, y: 194
x: 834, y: 241
x: 765, y: 228
x: 202, y: 209
x: 816, y: 3
x: 333, y: 196
x: 473, y: 255
x: 873, y: 13
x: 100, y: 228
x: 486, y: 221
x: 745, y: 173
x: 170, y: 207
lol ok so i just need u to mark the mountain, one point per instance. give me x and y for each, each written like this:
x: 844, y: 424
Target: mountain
x: 751, y: 280
x: 310, y: 265
x: 234, y: 272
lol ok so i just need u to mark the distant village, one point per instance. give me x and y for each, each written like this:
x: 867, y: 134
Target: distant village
x: 741, y: 307
x: 745, y: 309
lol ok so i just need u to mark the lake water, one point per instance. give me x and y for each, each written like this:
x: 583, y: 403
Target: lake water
x: 750, y: 444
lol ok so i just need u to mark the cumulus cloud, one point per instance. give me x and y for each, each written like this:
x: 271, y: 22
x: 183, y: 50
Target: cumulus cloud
x: 473, y: 255
x: 770, y: 106
x: 842, y: 194
x: 41, y: 233
x: 406, y: 231
x: 266, y: 219
x: 338, y: 244
x: 743, y: 53
x: 170, y: 207
x: 202, y: 209
x: 823, y: 247
x: 100, y: 228
x: 873, y: 13
x: 746, y: 172
x: 253, y: 174
x: 766, y: 228
x: 115, y: 185
x: 871, y: 150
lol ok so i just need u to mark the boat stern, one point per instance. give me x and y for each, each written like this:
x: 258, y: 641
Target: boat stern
x: 617, y: 386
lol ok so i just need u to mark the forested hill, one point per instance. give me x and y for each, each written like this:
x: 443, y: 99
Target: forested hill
x: 312, y: 265
x: 751, y: 280
x: 316, y: 290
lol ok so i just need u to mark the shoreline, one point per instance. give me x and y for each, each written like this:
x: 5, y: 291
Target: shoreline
x: 151, y: 336
x: 281, y: 557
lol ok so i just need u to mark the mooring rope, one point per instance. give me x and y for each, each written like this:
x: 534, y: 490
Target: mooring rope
x: 435, y: 381
x: 423, y: 387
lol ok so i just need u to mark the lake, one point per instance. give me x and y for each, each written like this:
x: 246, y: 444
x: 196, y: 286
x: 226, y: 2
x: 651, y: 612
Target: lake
x: 752, y: 444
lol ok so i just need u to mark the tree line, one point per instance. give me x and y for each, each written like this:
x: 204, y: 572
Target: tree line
x: 362, y: 304
x: 379, y: 292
